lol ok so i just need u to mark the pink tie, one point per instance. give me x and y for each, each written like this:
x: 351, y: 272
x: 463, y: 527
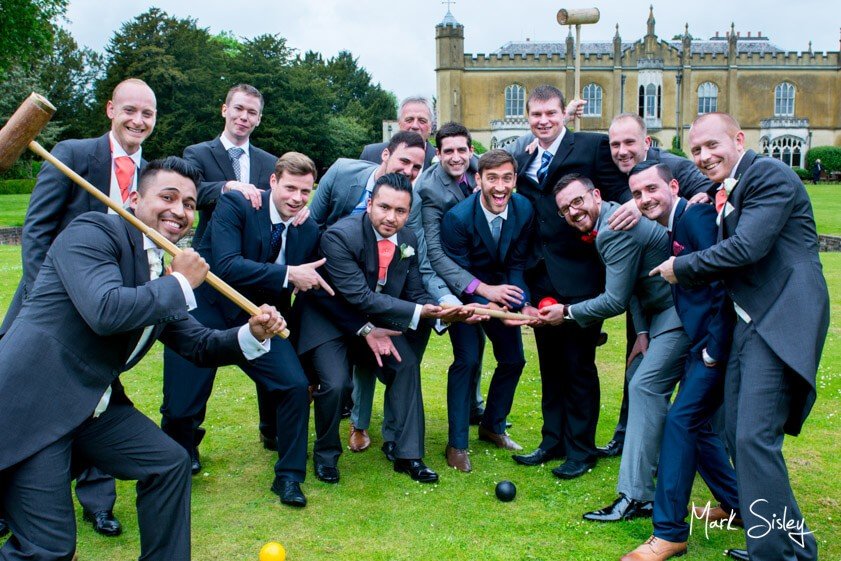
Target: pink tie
x: 125, y: 174
x: 386, y: 252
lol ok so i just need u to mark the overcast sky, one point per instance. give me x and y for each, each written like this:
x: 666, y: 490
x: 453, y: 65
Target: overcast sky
x: 395, y: 40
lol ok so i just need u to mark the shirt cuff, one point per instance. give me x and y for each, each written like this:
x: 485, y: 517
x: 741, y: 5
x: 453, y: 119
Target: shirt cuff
x: 569, y: 312
x: 708, y: 360
x: 189, y: 296
x: 286, y: 278
x: 250, y: 346
x: 471, y: 288
x: 416, y: 317
x: 450, y: 299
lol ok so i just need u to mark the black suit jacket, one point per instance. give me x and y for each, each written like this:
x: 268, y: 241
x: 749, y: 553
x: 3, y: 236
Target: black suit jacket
x: 74, y: 336
x: 350, y: 247
x: 215, y: 165
x: 561, y: 265
x: 237, y: 246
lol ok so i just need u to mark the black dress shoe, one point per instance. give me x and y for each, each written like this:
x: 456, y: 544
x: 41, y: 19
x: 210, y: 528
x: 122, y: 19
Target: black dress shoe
x: 610, y: 450
x: 388, y: 449
x: 104, y: 522
x: 740, y: 554
x: 571, y: 469
x: 416, y: 469
x: 622, y: 508
x: 4, y: 528
x: 536, y: 458
x: 195, y: 462
x: 327, y: 474
x: 290, y: 493
x: 268, y: 443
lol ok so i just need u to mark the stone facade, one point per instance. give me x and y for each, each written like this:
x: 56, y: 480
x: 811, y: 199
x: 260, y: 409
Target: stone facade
x: 786, y: 102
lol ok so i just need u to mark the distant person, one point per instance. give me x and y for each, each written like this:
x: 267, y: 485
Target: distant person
x: 817, y: 168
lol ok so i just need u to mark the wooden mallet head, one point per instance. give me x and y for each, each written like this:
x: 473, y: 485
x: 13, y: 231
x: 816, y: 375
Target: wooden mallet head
x: 22, y: 128
x: 578, y: 17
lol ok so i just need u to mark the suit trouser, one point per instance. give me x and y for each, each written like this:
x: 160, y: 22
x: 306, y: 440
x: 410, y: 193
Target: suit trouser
x: 278, y: 373
x: 757, y: 397
x: 37, y: 499
x: 570, y: 387
x: 332, y: 362
x: 622, y: 422
x: 652, y: 380
x: 689, y: 442
x: 365, y: 383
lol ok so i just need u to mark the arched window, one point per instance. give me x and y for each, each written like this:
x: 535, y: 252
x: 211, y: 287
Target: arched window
x: 784, y: 100
x: 788, y: 148
x: 707, y: 98
x: 592, y: 94
x: 515, y: 101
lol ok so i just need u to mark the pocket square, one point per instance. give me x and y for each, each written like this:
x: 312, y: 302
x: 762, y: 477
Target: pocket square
x: 677, y: 248
x: 725, y: 211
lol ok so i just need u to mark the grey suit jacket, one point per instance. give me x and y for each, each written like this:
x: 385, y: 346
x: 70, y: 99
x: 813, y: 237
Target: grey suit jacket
x: 767, y: 256
x: 74, y: 337
x: 55, y: 202
x: 340, y: 190
x: 439, y: 193
x: 628, y: 257
x: 374, y: 153
x: 216, y: 169
x: 689, y: 178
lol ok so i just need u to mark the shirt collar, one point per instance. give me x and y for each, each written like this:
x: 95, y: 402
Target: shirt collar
x: 149, y: 244
x: 117, y: 151
x: 227, y: 144
x: 371, y: 180
x: 553, y: 149
x: 392, y: 239
x: 489, y: 216
x: 275, y: 216
x: 672, y: 215
x: 733, y: 171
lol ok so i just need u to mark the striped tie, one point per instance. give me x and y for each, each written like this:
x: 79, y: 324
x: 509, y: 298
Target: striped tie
x: 544, y: 166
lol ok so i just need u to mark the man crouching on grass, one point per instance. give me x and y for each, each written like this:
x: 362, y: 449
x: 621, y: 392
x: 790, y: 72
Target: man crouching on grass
x: 97, y: 306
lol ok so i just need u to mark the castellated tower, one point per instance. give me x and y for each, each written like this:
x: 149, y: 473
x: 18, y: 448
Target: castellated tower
x: 449, y: 57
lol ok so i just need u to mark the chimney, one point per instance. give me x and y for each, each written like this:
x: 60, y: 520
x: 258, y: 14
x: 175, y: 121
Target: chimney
x: 748, y: 33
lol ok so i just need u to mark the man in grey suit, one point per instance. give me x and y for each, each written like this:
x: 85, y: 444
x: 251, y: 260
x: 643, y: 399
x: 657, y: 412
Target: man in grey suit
x: 415, y: 115
x: 345, y: 190
x: 98, y: 305
x: 627, y: 256
x: 111, y: 163
x: 767, y: 256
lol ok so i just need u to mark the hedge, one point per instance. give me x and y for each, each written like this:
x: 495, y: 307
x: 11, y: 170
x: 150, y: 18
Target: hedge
x: 16, y: 186
x: 830, y: 157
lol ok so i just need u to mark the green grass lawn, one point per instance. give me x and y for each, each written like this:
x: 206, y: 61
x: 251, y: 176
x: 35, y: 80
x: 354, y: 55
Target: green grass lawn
x: 13, y: 210
x: 376, y: 514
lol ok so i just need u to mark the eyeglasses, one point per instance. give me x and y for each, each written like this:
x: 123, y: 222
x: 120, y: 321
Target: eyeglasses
x: 575, y: 203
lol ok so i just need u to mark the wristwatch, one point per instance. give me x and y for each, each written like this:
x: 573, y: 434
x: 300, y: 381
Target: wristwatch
x: 567, y: 314
x: 366, y: 329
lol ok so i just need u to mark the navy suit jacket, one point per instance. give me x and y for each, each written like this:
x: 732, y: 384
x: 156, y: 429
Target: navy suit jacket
x: 237, y: 246
x: 216, y: 169
x: 561, y: 265
x: 74, y: 337
x: 705, y: 311
x: 467, y: 240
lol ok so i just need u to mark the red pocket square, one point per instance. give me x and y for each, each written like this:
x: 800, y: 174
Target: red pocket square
x: 677, y: 248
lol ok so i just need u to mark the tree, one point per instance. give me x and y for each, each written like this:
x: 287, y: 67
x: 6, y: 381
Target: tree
x: 27, y: 30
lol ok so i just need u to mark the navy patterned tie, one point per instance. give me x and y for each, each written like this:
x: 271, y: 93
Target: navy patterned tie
x: 234, y: 154
x: 496, y: 228
x: 544, y: 166
x: 277, y: 241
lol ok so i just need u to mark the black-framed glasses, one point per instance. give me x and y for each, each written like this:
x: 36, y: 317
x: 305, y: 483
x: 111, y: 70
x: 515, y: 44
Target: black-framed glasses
x: 575, y: 203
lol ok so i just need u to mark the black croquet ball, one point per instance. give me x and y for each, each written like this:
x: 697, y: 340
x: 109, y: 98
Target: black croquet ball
x: 505, y: 491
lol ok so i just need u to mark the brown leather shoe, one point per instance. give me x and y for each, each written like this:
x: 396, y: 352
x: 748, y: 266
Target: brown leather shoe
x: 655, y: 549
x: 500, y: 440
x: 716, y: 514
x: 458, y: 458
x: 359, y: 440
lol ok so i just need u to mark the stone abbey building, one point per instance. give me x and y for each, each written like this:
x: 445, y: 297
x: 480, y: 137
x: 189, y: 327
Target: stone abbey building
x: 786, y: 102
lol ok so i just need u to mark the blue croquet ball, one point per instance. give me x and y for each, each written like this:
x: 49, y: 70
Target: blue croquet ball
x: 505, y: 491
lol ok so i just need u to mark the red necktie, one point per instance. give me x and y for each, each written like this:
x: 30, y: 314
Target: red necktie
x: 125, y: 174
x: 720, y: 199
x: 385, y: 248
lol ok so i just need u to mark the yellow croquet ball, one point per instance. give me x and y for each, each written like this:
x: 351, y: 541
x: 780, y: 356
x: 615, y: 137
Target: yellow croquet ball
x: 272, y: 551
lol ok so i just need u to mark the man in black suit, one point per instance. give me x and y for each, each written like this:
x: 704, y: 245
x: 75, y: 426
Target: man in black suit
x: 630, y: 145
x: 767, y: 257
x: 96, y: 308
x: 487, y: 235
x: 415, y: 115
x: 564, y: 267
x: 258, y: 253
x: 689, y: 441
x: 111, y: 163
x: 372, y: 262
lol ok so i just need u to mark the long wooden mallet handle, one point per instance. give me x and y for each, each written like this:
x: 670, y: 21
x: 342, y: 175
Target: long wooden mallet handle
x: 19, y: 131
x: 498, y: 314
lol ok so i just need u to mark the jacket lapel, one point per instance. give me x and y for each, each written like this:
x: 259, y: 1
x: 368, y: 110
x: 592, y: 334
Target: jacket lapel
x: 728, y: 222
x: 397, y: 269
x: 508, y: 227
x: 483, y: 228
x: 255, y: 169
x: 99, y: 170
x: 222, y: 158
x: 450, y: 184
x: 354, y: 192
x: 264, y: 222
x: 564, y: 150
x: 524, y: 160
x: 370, y: 252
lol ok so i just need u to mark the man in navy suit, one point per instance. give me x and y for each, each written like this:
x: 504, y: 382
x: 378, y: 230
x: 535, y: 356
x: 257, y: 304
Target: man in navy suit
x: 111, y: 163
x: 767, y: 257
x: 707, y: 316
x: 258, y: 253
x: 487, y: 235
x: 565, y: 268
x: 61, y: 401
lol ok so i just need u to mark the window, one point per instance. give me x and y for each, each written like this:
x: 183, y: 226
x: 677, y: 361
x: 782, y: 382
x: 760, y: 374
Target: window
x: 515, y: 101
x: 707, y: 98
x: 593, y: 96
x: 784, y: 100
x: 649, y: 102
x: 788, y: 149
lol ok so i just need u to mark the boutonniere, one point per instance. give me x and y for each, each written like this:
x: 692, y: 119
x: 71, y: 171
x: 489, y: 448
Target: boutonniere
x: 730, y: 184
x: 406, y: 251
x: 723, y: 193
x: 590, y: 237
